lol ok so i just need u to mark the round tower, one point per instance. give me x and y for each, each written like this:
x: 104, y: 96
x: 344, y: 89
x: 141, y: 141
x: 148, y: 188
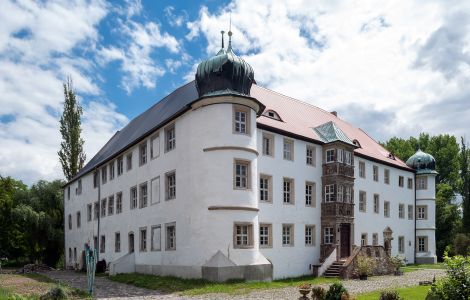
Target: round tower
x: 425, y: 206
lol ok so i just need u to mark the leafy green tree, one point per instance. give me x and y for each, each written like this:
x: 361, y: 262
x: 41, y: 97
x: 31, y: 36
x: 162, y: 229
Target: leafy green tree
x: 465, y: 189
x: 71, y: 153
x: 447, y: 218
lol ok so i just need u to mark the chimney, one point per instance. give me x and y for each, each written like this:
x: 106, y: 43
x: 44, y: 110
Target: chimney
x: 334, y: 113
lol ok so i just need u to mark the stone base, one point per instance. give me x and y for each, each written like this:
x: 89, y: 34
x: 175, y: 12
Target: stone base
x: 170, y: 270
x: 262, y: 272
x: 426, y: 260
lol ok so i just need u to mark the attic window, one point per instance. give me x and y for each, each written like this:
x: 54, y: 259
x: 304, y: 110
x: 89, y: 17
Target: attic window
x: 391, y: 156
x: 356, y: 143
x: 272, y: 114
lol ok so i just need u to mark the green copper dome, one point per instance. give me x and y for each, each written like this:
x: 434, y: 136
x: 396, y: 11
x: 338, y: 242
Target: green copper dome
x: 224, y: 73
x: 422, y: 162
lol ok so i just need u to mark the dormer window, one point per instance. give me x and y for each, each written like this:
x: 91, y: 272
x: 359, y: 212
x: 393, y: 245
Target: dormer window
x: 356, y: 143
x: 272, y: 114
x: 391, y: 156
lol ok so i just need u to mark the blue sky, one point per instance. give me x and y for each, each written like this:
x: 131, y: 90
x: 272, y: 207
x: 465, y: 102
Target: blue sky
x: 394, y: 69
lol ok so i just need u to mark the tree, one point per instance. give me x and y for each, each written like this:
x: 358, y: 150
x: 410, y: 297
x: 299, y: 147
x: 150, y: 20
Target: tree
x: 447, y: 218
x: 71, y: 153
x: 465, y: 190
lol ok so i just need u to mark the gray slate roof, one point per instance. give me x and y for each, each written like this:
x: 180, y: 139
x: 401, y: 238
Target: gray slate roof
x: 329, y: 132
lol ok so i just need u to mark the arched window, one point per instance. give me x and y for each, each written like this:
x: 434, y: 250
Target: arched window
x: 272, y: 114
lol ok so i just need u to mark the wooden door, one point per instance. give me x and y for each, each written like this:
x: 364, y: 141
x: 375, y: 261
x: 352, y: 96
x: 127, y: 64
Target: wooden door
x: 345, y: 244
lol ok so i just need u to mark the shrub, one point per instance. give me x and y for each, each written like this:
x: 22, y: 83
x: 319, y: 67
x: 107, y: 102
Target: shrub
x: 462, y: 244
x: 390, y: 295
x: 318, y: 293
x: 397, y: 262
x: 55, y: 293
x: 364, y: 265
x: 336, y: 291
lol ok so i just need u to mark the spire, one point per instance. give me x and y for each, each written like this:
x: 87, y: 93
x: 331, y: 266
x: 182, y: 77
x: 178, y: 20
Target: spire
x: 230, y: 34
x: 222, y: 32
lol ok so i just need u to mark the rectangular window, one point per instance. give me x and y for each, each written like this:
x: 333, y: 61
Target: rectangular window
x: 340, y: 193
x: 133, y: 197
x: 117, y: 242
x: 120, y: 165
x: 410, y: 212
x: 104, y: 174
x: 156, y: 236
x: 243, y: 235
x: 241, y: 174
x: 288, y: 191
x: 143, y: 200
x: 111, y: 205
x: 309, y: 235
x: 422, y: 244
x: 265, y: 188
x: 310, y: 155
x: 387, y: 209
x: 330, y: 155
x: 103, y: 207
x: 96, y: 178
x: 401, y: 211
x: 348, y: 157
x: 170, y: 189
x: 143, y: 239
x: 376, y: 203
x: 310, y: 188
x: 387, y: 176
x: 143, y: 153
x: 364, y: 239
x: 155, y: 186
x: 68, y: 192
x: 129, y: 161
x: 170, y: 138
x: 89, y: 212
x: 268, y: 144
x: 241, y: 119
x: 410, y: 183
x: 111, y: 170
x: 401, y: 244
x: 329, y: 193
x: 422, y: 212
x: 328, y: 235
x: 348, y: 194
x: 376, y: 173
x: 70, y: 222
x: 119, y: 203
x: 421, y: 183
x: 375, y: 239
x: 287, y: 234
x: 362, y: 169
x: 401, y: 180
x: 288, y: 147
x: 103, y: 244
x: 155, y: 146
x: 97, y: 210
x: 79, y: 219
x: 265, y: 235
x: 170, y: 236
x: 362, y: 201
x: 340, y: 155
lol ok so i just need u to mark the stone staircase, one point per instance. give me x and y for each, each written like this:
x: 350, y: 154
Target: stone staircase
x: 333, y: 270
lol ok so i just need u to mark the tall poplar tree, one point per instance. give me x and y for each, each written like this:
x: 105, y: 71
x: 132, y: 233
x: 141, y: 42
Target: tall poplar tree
x: 465, y: 191
x: 71, y: 153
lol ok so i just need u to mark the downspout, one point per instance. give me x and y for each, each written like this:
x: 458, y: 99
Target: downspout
x: 414, y: 217
x: 99, y: 213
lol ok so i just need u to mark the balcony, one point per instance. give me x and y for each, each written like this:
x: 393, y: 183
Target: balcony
x: 337, y: 209
x: 337, y: 168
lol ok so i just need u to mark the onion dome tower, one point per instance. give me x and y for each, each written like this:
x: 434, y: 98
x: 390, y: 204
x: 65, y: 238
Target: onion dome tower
x: 422, y: 162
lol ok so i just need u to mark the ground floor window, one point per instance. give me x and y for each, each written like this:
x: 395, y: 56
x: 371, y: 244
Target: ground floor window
x: 170, y: 236
x: 309, y: 235
x: 422, y: 244
x: 364, y: 239
x: 143, y: 239
x: 328, y: 235
x: 288, y: 234
x: 103, y: 244
x: 375, y: 239
x: 117, y: 242
x: 156, y: 238
x: 243, y: 235
x: 265, y: 235
x: 401, y: 244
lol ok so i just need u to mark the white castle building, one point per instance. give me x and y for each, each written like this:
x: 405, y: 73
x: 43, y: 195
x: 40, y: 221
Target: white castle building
x: 225, y: 179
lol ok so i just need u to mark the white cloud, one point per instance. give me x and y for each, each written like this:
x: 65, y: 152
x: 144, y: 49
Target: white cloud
x: 173, y: 19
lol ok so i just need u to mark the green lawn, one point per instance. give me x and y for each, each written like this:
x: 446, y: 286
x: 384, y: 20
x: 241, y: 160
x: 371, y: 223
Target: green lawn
x: 409, y: 293
x: 415, y: 267
x: 168, y: 284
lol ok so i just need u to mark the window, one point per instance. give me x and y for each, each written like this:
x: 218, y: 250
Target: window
x: 143, y: 200
x: 348, y: 157
x: 70, y: 255
x: 422, y: 244
x: 75, y: 254
x: 422, y: 212
x: 272, y: 114
x: 155, y: 237
x: 170, y: 138
x: 340, y: 155
x: 70, y: 222
x: 103, y: 207
x: 376, y: 203
x: 111, y: 170
x: 95, y: 242
x: 96, y: 177
x: 375, y: 239
x: 120, y: 166
x: 340, y: 193
x: 133, y: 197
x: 111, y: 205
x: 387, y: 209
x: 268, y: 144
x: 375, y: 170
x: 364, y: 239
x: 362, y: 201
x: 79, y: 187
x: 243, y: 235
x: 155, y: 146
x: 155, y: 190
x: 329, y: 193
x: 129, y: 161
x: 265, y: 188
x: 421, y: 183
x: 362, y: 169
x: 241, y: 115
x: 401, y: 244
x: 410, y: 212
x: 170, y: 185
x: 288, y: 191
x: 97, y: 210
x: 287, y: 234
x: 103, y: 244
x: 310, y: 194
x: 401, y: 180
x: 104, y: 174
x: 119, y: 203
x: 288, y: 153
x: 348, y: 198
x: 143, y: 239
x: 89, y: 212
x: 68, y: 192
x: 117, y: 242
x: 170, y: 236
x: 265, y: 235
x: 79, y: 219
x: 242, y: 174
x: 387, y: 176
x: 330, y: 155
x: 410, y: 183
x: 309, y: 235
x: 310, y: 154
x: 328, y: 235
x: 143, y: 153
x: 401, y: 211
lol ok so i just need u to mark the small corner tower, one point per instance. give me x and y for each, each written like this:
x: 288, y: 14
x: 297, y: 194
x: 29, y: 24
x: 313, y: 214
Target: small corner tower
x: 425, y: 209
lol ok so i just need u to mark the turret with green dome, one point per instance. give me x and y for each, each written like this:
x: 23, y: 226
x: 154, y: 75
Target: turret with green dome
x: 422, y: 162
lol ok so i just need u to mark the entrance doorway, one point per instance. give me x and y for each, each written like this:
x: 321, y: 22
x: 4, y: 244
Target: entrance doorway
x: 131, y: 242
x: 345, y: 244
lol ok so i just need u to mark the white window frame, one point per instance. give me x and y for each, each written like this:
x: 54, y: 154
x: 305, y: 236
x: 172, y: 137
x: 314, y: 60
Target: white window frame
x: 119, y: 203
x: 265, y: 235
x: 143, y: 153
x: 242, y: 235
x: 268, y: 144
x: 328, y: 235
x: 376, y: 203
x: 288, y: 149
x: 401, y: 211
x: 329, y: 193
x: 401, y: 244
x: 287, y: 235
x: 170, y: 185
x: 340, y: 155
x: 348, y: 157
x: 310, y: 155
x: 362, y: 201
x: 170, y: 236
x: 375, y: 171
x: 364, y: 239
x: 117, y: 242
x: 330, y: 156
x: 362, y: 169
x: 387, y: 209
x: 241, y: 174
x: 143, y: 194
x: 265, y: 188
x: 133, y: 197
x: 310, y: 235
x: 170, y: 137
x: 143, y: 239
x: 421, y: 212
x: 310, y: 192
x: 422, y: 183
x: 288, y: 189
x: 154, y: 246
x: 386, y: 176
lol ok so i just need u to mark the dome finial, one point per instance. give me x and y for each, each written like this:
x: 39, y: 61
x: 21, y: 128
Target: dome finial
x: 222, y: 32
x: 230, y: 34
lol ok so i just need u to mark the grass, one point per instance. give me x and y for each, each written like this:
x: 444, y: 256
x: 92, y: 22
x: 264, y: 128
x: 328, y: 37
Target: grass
x: 168, y: 284
x: 409, y: 293
x: 415, y: 267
